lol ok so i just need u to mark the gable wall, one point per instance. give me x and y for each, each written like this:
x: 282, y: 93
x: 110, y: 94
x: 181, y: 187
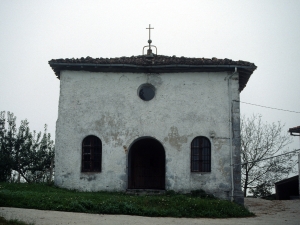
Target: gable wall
x: 186, y: 105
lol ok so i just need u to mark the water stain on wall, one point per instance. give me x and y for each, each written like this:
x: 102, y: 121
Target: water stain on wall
x: 154, y: 79
x: 88, y: 177
x: 222, y: 167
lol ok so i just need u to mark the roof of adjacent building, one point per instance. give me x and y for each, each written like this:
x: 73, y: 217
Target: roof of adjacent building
x: 295, y: 130
x: 287, y: 180
x: 155, y: 64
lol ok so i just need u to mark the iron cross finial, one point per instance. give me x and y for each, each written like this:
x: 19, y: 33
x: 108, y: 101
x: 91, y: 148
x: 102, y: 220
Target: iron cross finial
x: 149, y: 51
x: 149, y: 41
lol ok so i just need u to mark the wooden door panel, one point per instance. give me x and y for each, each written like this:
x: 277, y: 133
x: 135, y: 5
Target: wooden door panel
x: 148, y: 167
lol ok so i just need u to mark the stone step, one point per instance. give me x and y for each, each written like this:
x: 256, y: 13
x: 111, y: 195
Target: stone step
x: 145, y: 191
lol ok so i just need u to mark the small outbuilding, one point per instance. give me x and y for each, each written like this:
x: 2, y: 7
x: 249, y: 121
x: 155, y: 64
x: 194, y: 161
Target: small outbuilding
x: 295, y: 131
x: 287, y: 189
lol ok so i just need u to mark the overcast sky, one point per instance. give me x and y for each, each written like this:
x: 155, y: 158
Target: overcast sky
x: 266, y: 33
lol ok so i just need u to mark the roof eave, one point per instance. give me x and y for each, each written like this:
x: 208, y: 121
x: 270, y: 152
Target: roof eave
x: 244, y: 71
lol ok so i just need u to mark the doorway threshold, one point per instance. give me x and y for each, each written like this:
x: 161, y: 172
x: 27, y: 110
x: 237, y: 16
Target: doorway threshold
x: 145, y: 191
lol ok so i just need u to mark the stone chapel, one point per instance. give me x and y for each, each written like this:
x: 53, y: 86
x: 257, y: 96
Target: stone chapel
x: 150, y: 122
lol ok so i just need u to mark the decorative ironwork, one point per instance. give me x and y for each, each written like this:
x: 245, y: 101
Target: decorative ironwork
x: 91, y: 154
x: 149, y: 51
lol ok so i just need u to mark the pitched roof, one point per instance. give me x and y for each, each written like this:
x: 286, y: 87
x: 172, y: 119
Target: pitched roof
x: 295, y: 130
x: 156, y: 64
x: 287, y: 180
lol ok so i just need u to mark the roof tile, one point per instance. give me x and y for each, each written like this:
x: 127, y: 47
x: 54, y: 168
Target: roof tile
x: 157, y: 59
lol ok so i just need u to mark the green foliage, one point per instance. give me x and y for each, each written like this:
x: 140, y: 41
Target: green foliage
x: 12, y: 222
x: 46, y: 197
x: 201, y: 193
x: 6, y: 146
x: 23, y: 153
x: 170, y: 192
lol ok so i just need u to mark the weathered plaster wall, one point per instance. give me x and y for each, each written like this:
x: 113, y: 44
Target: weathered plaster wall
x: 186, y: 105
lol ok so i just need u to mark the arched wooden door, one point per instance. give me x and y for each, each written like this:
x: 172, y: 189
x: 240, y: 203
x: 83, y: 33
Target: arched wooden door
x: 146, y: 165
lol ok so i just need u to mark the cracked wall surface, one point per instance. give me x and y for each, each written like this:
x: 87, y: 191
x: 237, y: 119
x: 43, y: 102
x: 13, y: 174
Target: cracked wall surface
x: 186, y: 105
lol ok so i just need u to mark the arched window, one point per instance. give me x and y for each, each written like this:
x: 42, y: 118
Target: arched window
x: 200, y: 155
x: 91, y: 154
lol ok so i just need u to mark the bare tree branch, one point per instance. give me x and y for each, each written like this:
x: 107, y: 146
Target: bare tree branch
x: 259, y: 141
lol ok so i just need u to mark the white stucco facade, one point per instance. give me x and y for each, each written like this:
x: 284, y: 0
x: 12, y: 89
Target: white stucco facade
x: 186, y: 105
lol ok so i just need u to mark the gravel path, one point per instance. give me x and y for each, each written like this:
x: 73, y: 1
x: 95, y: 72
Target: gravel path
x: 268, y: 212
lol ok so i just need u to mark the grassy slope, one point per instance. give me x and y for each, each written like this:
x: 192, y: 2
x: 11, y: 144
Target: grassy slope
x: 40, y: 196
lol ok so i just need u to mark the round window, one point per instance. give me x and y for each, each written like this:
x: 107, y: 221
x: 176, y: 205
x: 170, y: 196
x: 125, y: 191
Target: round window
x: 146, y: 92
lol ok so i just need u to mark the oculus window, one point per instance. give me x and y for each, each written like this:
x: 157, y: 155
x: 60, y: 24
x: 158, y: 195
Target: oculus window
x: 146, y: 92
x: 91, y: 154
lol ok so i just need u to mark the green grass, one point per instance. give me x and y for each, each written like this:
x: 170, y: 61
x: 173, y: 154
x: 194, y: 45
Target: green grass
x: 12, y: 222
x: 44, y: 197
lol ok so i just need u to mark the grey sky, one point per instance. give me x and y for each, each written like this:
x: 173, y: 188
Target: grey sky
x: 33, y: 32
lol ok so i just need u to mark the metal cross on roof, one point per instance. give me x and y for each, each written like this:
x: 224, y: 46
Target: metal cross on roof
x: 149, y: 41
x: 149, y: 51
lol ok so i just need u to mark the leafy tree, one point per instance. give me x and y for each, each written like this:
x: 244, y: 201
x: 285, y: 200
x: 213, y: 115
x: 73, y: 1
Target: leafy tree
x: 260, y: 141
x: 25, y: 154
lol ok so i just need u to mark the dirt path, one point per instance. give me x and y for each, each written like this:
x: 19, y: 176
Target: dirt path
x: 268, y: 212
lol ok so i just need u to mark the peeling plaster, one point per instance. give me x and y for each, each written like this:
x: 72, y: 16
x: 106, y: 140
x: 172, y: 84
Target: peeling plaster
x: 88, y: 177
x: 113, y: 128
x: 219, y: 143
x: 221, y: 167
x: 67, y: 175
x: 175, y: 139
